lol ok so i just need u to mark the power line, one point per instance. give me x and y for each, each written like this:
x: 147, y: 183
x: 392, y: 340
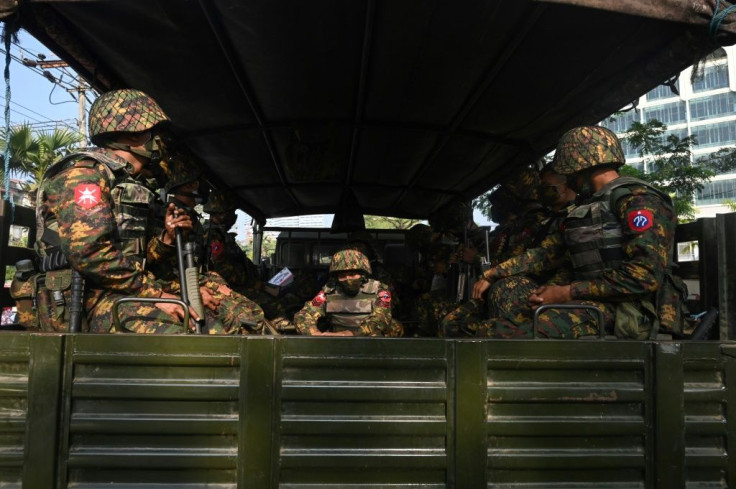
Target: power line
x: 28, y: 109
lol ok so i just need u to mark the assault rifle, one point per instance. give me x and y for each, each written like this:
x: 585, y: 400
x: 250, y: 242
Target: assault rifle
x: 188, y: 273
x: 464, y: 271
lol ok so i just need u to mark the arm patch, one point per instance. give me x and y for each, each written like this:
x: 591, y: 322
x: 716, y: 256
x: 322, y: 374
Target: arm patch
x: 320, y: 299
x: 640, y: 220
x: 384, y: 298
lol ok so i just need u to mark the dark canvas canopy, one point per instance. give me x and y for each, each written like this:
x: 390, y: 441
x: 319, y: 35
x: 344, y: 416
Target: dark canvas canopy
x: 399, y: 105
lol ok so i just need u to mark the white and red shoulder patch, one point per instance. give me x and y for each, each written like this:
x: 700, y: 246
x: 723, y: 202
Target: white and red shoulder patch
x: 384, y: 298
x: 319, y: 299
x: 87, y: 195
x: 640, y: 220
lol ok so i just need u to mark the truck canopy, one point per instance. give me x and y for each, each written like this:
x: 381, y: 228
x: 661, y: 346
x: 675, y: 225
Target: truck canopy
x: 395, y: 107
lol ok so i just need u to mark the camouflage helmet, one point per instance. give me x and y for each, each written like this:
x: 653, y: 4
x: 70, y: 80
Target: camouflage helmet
x: 585, y: 147
x: 350, y: 260
x: 220, y: 201
x: 180, y: 171
x: 124, y: 110
x: 524, y: 184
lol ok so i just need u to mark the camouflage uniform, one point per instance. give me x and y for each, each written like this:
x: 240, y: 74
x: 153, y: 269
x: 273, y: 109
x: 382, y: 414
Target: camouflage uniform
x: 99, y: 214
x: 521, y: 233
x: 434, y: 301
x: 414, y: 278
x: 236, y: 313
x: 227, y: 259
x: 366, y: 313
x: 633, y: 228
x: 363, y: 242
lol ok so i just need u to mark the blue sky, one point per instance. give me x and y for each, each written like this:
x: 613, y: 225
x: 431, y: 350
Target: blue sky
x: 34, y: 99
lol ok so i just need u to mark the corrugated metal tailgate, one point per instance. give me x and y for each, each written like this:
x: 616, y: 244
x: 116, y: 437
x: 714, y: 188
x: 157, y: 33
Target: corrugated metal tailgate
x: 15, y: 352
x: 707, y: 384
x: 568, y: 414
x: 151, y: 411
x: 364, y: 413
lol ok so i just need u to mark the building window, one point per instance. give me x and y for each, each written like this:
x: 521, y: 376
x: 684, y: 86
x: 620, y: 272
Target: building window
x: 713, y: 77
x: 663, y: 91
x: 719, y: 105
x: 621, y: 121
x: 710, y: 135
x: 716, y: 192
x: 674, y: 113
x: 629, y: 150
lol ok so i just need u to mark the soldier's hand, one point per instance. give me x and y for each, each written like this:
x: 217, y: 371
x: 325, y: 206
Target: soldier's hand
x: 224, y: 290
x: 175, y: 219
x: 208, y: 299
x: 480, y: 288
x: 550, y: 294
x: 175, y: 310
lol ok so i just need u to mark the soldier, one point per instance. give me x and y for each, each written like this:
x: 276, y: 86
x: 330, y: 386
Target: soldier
x: 619, y: 240
x: 226, y: 309
x: 228, y: 260
x: 504, y: 212
x: 523, y: 232
x: 225, y: 256
x: 454, y: 231
x: 93, y: 210
x: 351, y: 303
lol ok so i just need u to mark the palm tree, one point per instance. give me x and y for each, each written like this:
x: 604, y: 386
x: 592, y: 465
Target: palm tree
x: 23, y: 148
x: 52, y: 145
x: 32, y: 153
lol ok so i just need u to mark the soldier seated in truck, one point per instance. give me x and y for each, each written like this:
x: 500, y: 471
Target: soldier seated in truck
x: 350, y: 304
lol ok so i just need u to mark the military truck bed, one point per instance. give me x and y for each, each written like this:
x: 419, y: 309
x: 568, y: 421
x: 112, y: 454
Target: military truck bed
x: 93, y: 411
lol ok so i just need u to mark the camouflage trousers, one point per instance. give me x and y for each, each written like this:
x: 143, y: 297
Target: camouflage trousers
x: 463, y: 321
x: 135, y: 317
x: 429, y: 310
x: 235, y: 314
x: 512, y: 317
x: 395, y: 329
x: 273, y: 308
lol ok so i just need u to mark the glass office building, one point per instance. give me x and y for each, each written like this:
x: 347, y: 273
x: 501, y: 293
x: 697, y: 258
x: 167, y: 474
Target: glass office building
x: 704, y: 108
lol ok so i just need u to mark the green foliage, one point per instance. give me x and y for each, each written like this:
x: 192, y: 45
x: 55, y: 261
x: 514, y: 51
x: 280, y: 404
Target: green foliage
x: 382, y: 222
x: 31, y: 153
x: 668, y: 163
x: 483, y: 203
x: 268, y: 247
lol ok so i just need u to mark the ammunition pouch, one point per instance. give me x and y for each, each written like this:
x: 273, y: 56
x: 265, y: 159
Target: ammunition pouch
x: 634, y: 320
x: 23, y: 291
x: 54, y: 298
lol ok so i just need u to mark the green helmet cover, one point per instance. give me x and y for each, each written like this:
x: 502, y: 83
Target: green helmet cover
x: 586, y: 147
x: 350, y: 260
x: 123, y: 111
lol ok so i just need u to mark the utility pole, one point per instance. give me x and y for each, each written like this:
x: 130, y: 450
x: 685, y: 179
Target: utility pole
x: 81, y: 89
x: 82, y: 100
